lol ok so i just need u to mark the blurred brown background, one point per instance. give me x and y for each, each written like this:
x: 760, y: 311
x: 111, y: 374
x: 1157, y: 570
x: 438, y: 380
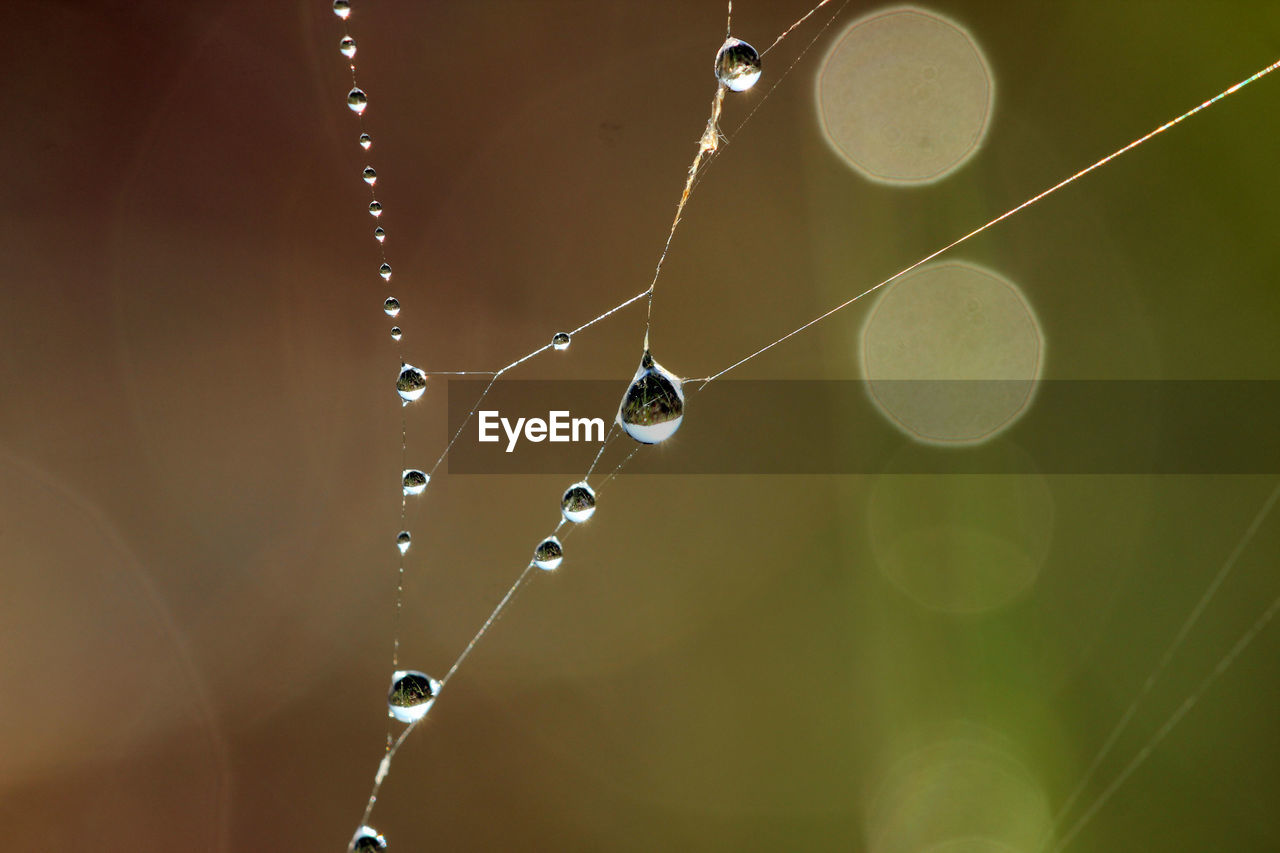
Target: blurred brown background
x: 198, y: 438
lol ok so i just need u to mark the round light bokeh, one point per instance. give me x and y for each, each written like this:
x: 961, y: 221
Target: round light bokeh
x: 952, y: 353
x: 904, y: 96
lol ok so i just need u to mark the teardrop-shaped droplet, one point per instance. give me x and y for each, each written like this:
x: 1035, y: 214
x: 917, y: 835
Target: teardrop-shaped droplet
x: 560, y: 340
x: 414, y: 481
x: 369, y: 175
x: 385, y: 272
x: 342, y: 8
x: 412, y: 383
x: 365, y: 141
x: 375, y: 208
x: 403, y: 540
x: 367, y: 840
x: 737, y: 65
x: 357, y: 100
x: 395, y: 333
x: 549, y: 554
x: 653, y: 407
x: 391, y: 306
x: 578, y: 503
x: 347, y: 46
x: 412, y: 694
x: 379, y: 234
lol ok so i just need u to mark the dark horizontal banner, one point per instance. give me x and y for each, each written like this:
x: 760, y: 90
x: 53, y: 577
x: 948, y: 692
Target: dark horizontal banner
x: 881, y: 427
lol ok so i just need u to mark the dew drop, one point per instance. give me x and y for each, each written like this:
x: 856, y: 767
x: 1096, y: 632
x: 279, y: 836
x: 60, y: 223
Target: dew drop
x: 369, y: 175
x: 578, y: 503
x: 367, y: 840
x: 395, y: 333
x: 385, y: 272
x: 357, y: 100
x: 414, y: 481
x: 365, y: 141
x: 560, y: 340
x: 375, y: 208
x: 403, y: 539
x: 737, y: 65
x: 347, y: 46
x: 379, y: 234
x: 342, y: 8
x: 391, y: 306
x: 549, y: 554
x: 412, y: 694
x: 411, y: 384
x: 653, y: 407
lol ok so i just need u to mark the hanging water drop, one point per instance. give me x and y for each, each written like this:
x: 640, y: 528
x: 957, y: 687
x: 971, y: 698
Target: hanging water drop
x: 347, y: 46
x: 365, y: 141
x: 357, y: 100
x: 367, y: 840
x: 395, y: 333
x: 379, y: 234
x: 737, y: 65
x: 560, y: 340
x: 385, y: 272
x: 411, y: 384
x: 653, y: 407
x: 549, y: 554
x: 342, y: 8
x: 391, y: 306
x: 403, y: 539
x: 414, y: 481
x: 412, y: 694
x: 369, y: 175
x: 578, y: 503
x: 375, y: 208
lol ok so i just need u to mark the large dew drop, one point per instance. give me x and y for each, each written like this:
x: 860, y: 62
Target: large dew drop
x: 367, y: 840
x: 560, y: 340
x: 412, y: 694
x: 391, y: 306
x: 365, y: 141
x: 578, y: 503
x: 414, y: 481
x: 357, y: 100
x: 395, y: 333
x: 375, y: 208
x: 347, y: 46
x: 385, y: 272
x: 342, y: 8
x: 549, y: 554
x: 370, y: 175
x: 411, y: 383
x: 653, y: 407
x: 403, y: 540
x: 737, y: 65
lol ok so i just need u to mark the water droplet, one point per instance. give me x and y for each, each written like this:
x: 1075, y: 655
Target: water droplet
x: 385, y: 272
x: 560, y: 340
x: 415, y: 481
x: 395, y: 333
x: 369, y: 175
x: 412, y: 383
x: 578, y: 503
x: 367, y: 840
x: 412, y: 694
x: 391, y: 306
x: 549, y: 554
x: 365, y: 141
x: 653, y: 407
x: 342, y: 8
x: 737, y: 65
x: 379, y: 234
x: 403, y: 539
x: 347, y: 46
x: 357, y: 100
x: 375, y: 208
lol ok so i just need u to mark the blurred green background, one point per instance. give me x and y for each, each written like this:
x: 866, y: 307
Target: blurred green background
x: 198, y: 438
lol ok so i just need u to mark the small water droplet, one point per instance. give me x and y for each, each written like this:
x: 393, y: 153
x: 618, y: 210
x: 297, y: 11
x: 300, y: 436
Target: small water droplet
x: 379, y: 234
x: 414, y: 481
x: 342, y: 8
x: 549, y: 554
x: 367, y: 840
x: 365, y: 141
x: 653, y: 407
x: 385, y: 272
x: 357, y: 100
x: 578, y: 503
x: 560, y: 340
x: 737, y: 65
x: 347, y: 46
x: 412, y: 694
x: 391, y: 306
x: 375, y: 208
x: 369, y: 175
x: 395, y: 333
x: 411, y: 384
x: 403, y: 540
